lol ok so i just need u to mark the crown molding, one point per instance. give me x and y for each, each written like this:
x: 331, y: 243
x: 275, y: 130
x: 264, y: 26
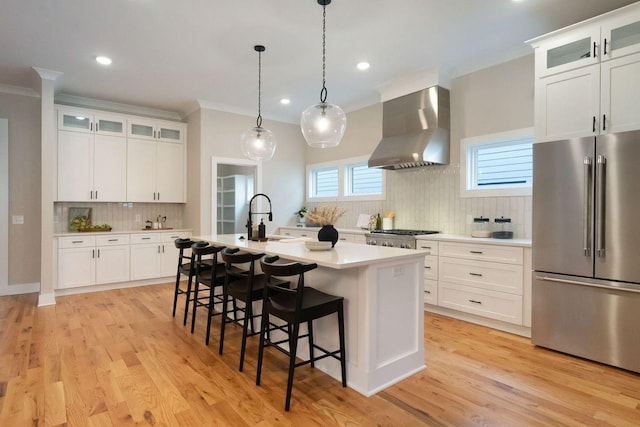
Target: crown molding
x: 116, y: 107
x: 17, y: 90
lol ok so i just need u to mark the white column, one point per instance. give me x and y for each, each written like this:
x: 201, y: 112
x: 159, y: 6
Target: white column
x: 4, y: 206
x: 48, y: 182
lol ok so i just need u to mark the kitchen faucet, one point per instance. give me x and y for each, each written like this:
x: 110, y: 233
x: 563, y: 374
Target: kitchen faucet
x: 249, y: 222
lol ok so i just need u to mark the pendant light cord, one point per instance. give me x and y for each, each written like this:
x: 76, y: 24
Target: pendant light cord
x: 323, y: 92
x: 259, y: 119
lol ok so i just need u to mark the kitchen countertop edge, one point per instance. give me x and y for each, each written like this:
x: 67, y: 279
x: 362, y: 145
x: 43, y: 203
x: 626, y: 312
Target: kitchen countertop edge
x: 525, y: 243
x: 106, y: 233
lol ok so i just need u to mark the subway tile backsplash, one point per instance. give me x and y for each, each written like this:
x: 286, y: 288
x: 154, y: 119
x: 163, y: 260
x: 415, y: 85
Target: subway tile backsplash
x: 428, y: 198
x: 120, y: 218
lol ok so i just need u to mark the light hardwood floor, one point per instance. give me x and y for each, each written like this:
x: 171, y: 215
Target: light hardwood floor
x: 118, y: 358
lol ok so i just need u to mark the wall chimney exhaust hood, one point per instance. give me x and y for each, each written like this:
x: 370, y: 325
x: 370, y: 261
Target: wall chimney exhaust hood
x: 415, y: 131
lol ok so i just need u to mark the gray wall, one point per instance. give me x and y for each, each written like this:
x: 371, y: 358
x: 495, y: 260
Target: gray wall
x: 23, y: 113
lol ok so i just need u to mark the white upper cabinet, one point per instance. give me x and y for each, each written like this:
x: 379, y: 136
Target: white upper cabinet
x: 91, y: 162
x: 87, y: 121
x: 588, y: 77
x: 107, y: 157
x: 156, y: 130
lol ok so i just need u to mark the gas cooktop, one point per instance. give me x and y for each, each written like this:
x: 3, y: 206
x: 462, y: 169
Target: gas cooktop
x: 404, y: 232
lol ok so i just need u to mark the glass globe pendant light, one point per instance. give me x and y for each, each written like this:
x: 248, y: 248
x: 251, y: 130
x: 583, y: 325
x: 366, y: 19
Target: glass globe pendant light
x: 258, y: 143
x: 323, y: 124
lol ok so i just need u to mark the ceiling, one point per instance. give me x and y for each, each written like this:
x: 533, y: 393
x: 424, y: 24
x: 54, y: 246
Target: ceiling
x: 175, y: 55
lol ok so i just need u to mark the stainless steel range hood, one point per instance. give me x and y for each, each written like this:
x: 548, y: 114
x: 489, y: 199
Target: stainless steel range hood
x: 415, y: 131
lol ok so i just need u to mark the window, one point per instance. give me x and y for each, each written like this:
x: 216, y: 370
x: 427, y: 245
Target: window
x: 349, y: 179
x: 497, y: 165
x: 324, y: 182
x: 362, y: 180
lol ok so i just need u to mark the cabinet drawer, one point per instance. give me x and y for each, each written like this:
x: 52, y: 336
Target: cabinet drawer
x: 171, y: 237
x: 507, y: 254
x: 299, y: 233
x: 145, y: 238
x: 76, y: 242
x: 431, y: 292
x: 496, y: 305
x: 431, y: 246
x: 346, y: 237
x: 486, y: 275
x: 431, y: 267
x: 119, y: 239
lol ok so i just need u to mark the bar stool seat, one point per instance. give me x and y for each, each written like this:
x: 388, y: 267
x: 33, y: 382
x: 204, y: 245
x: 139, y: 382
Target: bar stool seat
x: 295, y: 306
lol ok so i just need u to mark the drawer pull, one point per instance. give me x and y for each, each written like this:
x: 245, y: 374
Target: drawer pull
x: 146, y: 238
x: 476, y: 252
x: 425, y: 247
x: 427, y: 292
x: 78, y: 241
x: 427, y: 267
x: 475, y: 302
x: 112, y: 240
x: 475, y: 274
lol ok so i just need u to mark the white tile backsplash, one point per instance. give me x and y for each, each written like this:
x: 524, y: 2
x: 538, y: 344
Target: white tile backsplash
x: 121, y: 218
x: 429, y: 198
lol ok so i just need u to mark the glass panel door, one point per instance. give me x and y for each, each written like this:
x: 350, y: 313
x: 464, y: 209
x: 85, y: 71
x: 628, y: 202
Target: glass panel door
x: 76, y: 122
x: 170, y: 134
x: 571, y: 52
x: 110, y: 126
x: 141, y: 130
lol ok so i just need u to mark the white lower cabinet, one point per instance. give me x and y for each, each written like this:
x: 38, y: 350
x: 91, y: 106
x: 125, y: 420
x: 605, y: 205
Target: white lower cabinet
x: 153, y: 255
x: 482, y: 302
x: 430, y: 270
x: 343, y: 236
x: 92, y: 260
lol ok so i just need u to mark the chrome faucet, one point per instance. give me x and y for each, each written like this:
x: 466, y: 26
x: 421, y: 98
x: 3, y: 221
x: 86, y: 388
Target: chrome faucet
x: 249, y: 222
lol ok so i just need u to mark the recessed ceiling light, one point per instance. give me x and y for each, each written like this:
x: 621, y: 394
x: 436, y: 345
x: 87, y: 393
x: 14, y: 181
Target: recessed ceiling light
x: 363, y: 66
x: 285, y: 101
x: 103, y: 60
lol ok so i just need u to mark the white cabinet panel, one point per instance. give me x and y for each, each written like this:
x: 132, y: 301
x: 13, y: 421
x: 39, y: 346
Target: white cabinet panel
x: 621, y: 94
x: 170, y: 172
x: 76, y: 267
x: 145, y: 261
x: 481, y: 274
x: 75, y: 166
x: 141, y: 170
x: 493, y: 253
x: 431, y: 292
x: 110, y: 169
x: 112, y: 264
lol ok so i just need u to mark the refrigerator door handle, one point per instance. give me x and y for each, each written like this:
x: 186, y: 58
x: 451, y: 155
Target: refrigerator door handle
x: 585, y: 283
x: 586, y: 208
x: 601, y: 161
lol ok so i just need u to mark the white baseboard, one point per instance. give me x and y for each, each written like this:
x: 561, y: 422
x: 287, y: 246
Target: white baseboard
x: 46, y: 299
x: 111, y: 286
x: 479, y: 320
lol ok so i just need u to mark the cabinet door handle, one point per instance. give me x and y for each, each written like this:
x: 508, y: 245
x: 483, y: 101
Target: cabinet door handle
x: 154, y: 195
x: 475, y: 301
x: 91, y: 126
x: 594, y: 49
x: 604, y: 122
x: 162, y: 248
x: 605, y: 46
x: 97, y: 126
x: 476, y: 252
x: 96, y: 194
x: 91, y: 194
x: 475, y: 274
x: 158, y: 248
x: 158, y: 195
x: 98, y: 253
x: 93, y: 253
x: 593, y: 126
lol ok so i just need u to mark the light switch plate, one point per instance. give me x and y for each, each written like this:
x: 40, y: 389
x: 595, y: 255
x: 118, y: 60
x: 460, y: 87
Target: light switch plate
x: 17, y: 219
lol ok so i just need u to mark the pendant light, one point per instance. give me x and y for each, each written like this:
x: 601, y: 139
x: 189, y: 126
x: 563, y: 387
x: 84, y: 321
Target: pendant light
x: 258, y: 143
x: 323, y: 124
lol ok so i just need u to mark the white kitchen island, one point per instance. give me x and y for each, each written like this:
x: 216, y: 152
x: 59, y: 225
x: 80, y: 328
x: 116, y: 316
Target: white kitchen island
x: 384, y: 310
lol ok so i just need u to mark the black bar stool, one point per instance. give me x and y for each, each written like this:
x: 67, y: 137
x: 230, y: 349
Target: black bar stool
x: 245, y: 286
x: 208, y: 273
x: 296, y: 306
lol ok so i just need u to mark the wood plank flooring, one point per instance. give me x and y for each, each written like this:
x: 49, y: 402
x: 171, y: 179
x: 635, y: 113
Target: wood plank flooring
x: 118, y: 358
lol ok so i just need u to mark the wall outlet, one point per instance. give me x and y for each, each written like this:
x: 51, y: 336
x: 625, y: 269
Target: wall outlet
x: 138, y: 218
x: 17, y: 219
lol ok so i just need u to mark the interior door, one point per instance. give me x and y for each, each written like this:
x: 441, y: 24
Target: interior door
x: 617, y: 204
x: 563, y: 173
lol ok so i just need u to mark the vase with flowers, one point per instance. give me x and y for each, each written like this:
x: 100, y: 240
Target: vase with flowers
x: 301, y: 215
x: 326, y: 217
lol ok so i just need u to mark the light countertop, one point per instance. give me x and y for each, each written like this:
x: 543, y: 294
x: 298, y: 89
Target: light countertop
x: 343, y: 255
x: 525, y: 243
x: 95, y: 233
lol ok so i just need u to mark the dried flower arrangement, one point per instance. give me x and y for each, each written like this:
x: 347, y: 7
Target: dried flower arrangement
x: 326, y: 215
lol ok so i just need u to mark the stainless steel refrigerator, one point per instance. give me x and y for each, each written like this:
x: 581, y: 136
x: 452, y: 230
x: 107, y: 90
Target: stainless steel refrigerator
x: 586, y: 248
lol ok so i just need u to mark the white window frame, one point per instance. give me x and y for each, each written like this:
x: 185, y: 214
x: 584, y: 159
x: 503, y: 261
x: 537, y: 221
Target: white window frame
x: 466, y: 165
x: 344, y: 177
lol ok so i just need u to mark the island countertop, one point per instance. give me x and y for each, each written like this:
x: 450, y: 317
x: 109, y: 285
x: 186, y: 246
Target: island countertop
x: 343, y: 255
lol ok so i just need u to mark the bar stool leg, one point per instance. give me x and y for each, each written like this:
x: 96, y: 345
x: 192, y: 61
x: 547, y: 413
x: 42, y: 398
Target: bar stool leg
x: 209, y: 314
x: 311, y: 357
x: 263, y: 329
x: 248, y: 317
x: 186, y: 303
x: 176, y: 290
x: 225, y: 298
x: 343, y: 356
x: 293, y: 347
x: 195, y: 304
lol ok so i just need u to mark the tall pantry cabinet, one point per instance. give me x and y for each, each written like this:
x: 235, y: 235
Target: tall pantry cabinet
x: 588, y: 77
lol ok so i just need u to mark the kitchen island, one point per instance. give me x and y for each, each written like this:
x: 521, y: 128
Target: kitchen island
x: 384, y: 313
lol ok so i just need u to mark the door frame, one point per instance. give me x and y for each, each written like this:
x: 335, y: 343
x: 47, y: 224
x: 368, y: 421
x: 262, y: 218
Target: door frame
x: 4, y: 207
